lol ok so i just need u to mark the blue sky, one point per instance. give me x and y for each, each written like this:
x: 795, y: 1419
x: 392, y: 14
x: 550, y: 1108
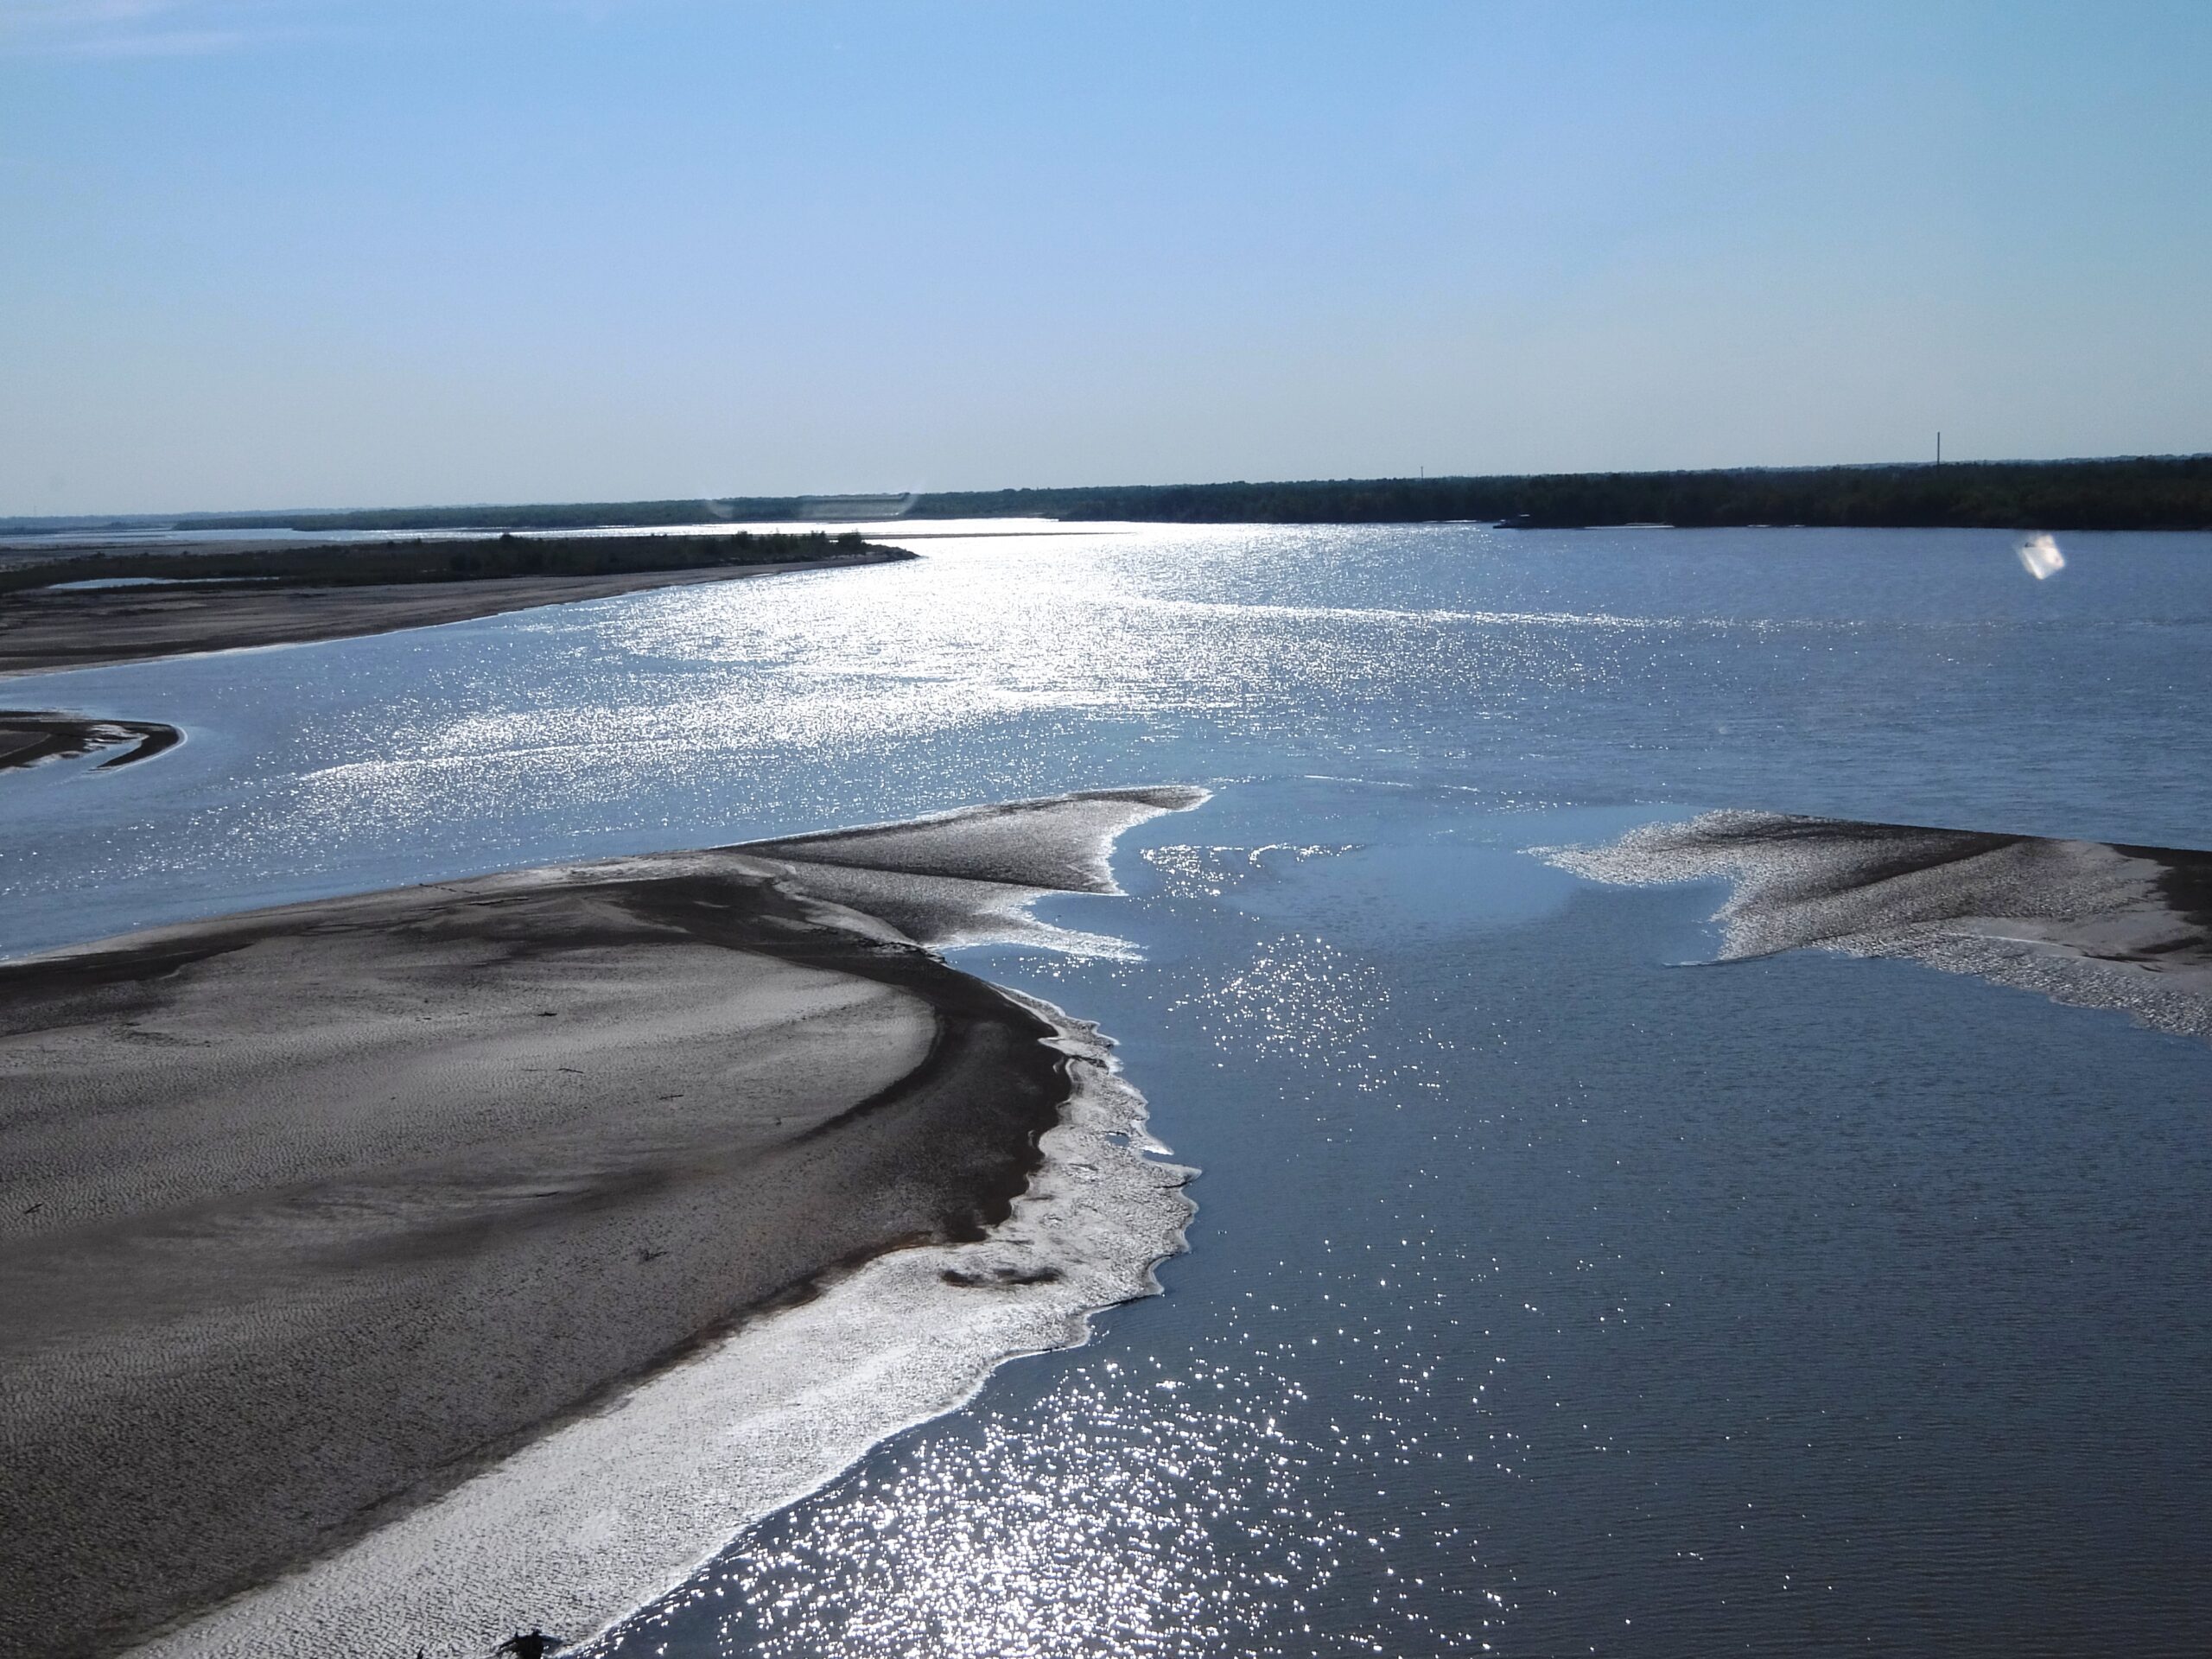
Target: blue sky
x: 307, y: 252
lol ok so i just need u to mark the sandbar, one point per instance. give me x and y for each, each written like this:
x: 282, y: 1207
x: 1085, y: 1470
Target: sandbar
x: 2093, y: 924
x: 44, y: 629
x: 31, y: 735
x: 310, y: 1214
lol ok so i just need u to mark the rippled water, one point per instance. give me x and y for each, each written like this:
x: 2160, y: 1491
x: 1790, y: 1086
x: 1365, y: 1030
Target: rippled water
x: 1547, y: 1295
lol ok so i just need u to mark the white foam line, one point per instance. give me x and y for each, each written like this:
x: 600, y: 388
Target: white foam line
x: 592, y: 1522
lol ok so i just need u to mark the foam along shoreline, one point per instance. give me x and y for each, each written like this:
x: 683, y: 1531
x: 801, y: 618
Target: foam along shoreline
x: 31, y: 735
x: 47, y: 630
x: 2091, y: 923
x: 402, y: 1266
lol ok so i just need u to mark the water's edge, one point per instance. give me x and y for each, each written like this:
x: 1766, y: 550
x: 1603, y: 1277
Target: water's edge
x: 595, y: 1522
x: 591, y: 1523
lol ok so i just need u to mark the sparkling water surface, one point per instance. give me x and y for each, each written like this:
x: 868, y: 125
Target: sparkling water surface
x: 1549, y: 1293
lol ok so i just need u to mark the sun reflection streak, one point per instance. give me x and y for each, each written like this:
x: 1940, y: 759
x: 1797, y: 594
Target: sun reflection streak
x: 705, y: 687
x: 1108, y: 1520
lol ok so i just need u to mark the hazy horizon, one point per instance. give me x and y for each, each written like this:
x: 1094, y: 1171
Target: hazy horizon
x: 300, y: 254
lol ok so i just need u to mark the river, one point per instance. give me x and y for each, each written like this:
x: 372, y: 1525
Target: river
x: 1554, y: 1287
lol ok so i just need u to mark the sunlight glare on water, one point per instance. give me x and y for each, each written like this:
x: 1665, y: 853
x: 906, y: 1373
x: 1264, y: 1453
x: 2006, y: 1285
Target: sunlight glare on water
x: 1093, y: 1526
x: 1538, y: 1286
x: 1808, y: 671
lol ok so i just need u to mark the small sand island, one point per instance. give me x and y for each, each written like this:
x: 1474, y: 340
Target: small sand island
x: 118, y: 604
x: 2090, y: 922
x: 31, y: 735
x: 311, y: 1214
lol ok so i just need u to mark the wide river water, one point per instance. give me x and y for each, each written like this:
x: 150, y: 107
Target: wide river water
x: 1553, y: 1289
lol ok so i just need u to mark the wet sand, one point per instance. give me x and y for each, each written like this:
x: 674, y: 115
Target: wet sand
x: 2089, y: 923
x: 31, y: 735
x: 44, y: 629
x: 308, y: 1216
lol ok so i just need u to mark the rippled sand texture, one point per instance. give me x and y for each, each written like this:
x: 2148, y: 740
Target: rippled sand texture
x: 319, y: 1215
x: 31, y: 735
x: 2086, y: 923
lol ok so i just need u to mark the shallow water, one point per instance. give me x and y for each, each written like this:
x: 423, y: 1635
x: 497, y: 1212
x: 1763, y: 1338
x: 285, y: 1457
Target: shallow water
x: 1545, y: 1298
x: 1546, y: 1292
x: 1919, y: 677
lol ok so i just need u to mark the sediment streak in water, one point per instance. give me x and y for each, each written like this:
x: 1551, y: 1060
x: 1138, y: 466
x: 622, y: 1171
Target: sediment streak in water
x: 403, y: 1265
x: 2093, y: 924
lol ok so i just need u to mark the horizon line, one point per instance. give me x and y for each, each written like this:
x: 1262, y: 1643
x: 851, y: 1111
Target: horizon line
x: 910, y: 496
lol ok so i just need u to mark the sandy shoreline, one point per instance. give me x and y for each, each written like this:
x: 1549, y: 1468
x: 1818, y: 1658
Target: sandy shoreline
x: 313, y: 1214
x: 46, y: 631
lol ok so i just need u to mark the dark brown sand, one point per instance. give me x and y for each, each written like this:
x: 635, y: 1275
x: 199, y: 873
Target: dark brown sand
x: 44, y: 629
x: 307, y: 1214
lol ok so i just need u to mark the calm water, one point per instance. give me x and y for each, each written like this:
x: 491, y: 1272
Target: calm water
x: 1549, y: 1293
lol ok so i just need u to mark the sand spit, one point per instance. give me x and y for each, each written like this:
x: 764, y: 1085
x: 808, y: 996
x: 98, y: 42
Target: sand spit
x: 430, y: 1242
x: 2087, y: 923
x: 48, y: 629
x: 959, y: 878
x: 31, y: 735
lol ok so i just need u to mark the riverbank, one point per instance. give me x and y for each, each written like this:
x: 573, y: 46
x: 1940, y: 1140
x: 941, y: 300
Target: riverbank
x: 45, y: 629
x: 312, y: 1215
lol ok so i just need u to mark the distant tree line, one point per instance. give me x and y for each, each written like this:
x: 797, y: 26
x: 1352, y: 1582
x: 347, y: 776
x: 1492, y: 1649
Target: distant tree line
x: 573, y: 515
x: 2141, y: 492
x: 2150, y: 493
x: 353, y: 564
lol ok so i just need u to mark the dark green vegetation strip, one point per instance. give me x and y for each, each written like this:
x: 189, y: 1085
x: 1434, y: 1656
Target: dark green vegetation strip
x: 2140, y: 492
x: 573, y: 515
x: 355, y: 564
x: 2132, y: 494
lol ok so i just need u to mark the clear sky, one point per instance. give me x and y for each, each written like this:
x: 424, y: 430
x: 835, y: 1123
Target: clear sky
x: 310, y: 253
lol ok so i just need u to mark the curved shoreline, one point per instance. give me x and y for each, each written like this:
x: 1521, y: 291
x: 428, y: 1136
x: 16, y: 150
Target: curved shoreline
x: 324, y: 1218
x: 2090, y: 924
x: 588, y: 1526
x: 31, y: 735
